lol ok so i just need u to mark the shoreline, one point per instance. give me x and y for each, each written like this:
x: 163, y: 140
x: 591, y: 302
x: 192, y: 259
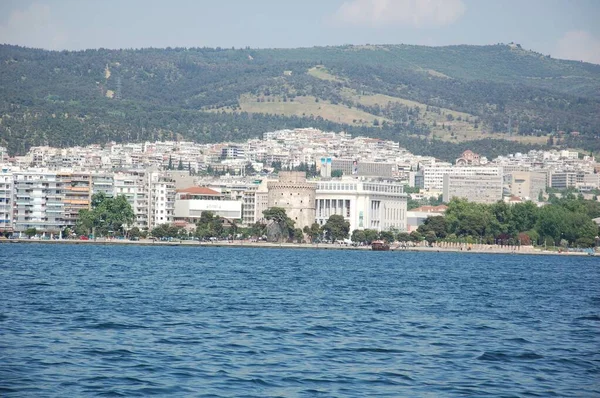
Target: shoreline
x: 485, y: 249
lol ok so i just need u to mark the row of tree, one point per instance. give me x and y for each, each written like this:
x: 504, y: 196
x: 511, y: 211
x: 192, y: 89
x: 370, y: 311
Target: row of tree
x: 565, y: 221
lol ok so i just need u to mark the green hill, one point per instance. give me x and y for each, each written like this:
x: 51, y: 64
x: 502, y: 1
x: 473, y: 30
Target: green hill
x: 435, y: 99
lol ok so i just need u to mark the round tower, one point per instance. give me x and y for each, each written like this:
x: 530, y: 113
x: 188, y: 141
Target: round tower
x: 294, y: 194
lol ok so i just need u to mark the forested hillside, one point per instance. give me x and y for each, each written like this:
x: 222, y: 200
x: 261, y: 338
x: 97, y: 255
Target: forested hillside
x: 434, y: 100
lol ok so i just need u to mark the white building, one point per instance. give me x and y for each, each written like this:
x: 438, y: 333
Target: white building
x: 38, y: 201
x: 255, y: 201
x: 6, y: 199
x: 365, y: 205
x: 433, y: 176
x: 134, y: 186
x: 191, y: 202
x: 161, y: 201
x: 478, y: 188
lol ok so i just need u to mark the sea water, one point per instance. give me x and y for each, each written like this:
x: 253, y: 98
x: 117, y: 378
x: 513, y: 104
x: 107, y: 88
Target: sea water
x: 88, y: 320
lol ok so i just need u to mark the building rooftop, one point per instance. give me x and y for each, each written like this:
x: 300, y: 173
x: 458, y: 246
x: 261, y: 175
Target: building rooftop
x: 199, y: 191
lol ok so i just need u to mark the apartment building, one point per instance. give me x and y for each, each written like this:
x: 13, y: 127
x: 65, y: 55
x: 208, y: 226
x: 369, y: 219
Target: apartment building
x: 433, y: 176
x: 364, y: 168
x: 38, y: 201
x: 478, y: 188
x: 161, y: 200
x: 76, y: 194
x: 6, y: 199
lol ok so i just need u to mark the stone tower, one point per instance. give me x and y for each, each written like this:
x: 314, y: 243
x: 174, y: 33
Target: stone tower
x: 294, y: 194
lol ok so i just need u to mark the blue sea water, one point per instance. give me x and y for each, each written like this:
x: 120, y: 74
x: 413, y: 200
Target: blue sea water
x: 86, y: 320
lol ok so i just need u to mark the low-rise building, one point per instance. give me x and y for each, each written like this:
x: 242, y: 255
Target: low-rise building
x: 364, y: 204
x: 191, y: 202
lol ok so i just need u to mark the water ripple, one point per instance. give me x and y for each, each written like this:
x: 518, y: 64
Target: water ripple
x: 220, y: 322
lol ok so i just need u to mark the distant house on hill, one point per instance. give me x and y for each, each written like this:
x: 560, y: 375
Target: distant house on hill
x: 468, y: 158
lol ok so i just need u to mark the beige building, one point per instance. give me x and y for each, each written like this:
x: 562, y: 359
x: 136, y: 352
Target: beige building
x: 255, y: 200
x: 480, y: 188
x: 294, y: 194
x: 527, y: 184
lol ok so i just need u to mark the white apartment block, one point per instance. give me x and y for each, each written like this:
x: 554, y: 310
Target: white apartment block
x: 162, y: 199
x: 433, y: 176
x: 38, y: 201
x: 134, y: 186
x: 365, y: 205
x: 6, y: 199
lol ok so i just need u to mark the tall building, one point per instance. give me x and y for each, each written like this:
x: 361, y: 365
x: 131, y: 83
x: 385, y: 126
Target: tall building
x: 255, y: 200
x: 294, y: 194
x: 161, y: 199
x: 38, y: 202
x: 76, y: 195
x: 364, y: 204
x: 479, y: 188
x: 134, y: 187
x: 433, y: 176
x: 6, y: 200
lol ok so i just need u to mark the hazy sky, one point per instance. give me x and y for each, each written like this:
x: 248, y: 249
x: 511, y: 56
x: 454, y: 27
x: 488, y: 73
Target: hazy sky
x: 563, y: 28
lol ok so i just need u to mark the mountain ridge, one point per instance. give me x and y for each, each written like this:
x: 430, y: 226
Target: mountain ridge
x: 204, y: 94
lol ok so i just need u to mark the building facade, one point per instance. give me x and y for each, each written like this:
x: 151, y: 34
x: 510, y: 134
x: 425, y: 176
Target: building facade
x: 365, y: 205
x: 191, y: 202
x: 6, y: 200
x: 527, y: 184
x: 433, y: 176
x: 476, y: 188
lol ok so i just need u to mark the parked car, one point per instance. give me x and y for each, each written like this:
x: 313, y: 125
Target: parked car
x: 83, y: 237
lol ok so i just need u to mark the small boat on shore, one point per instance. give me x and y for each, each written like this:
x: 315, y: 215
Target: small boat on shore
x: 379, y: 245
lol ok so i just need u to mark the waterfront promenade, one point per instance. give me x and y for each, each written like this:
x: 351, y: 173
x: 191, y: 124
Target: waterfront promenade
x: 444, y: 247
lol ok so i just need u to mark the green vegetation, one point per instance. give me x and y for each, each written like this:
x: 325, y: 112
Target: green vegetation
x: 107, y: 217
x: 336, y: 228
x: 284, y: 225
x: 434, y: 100
x: 567, y: 220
